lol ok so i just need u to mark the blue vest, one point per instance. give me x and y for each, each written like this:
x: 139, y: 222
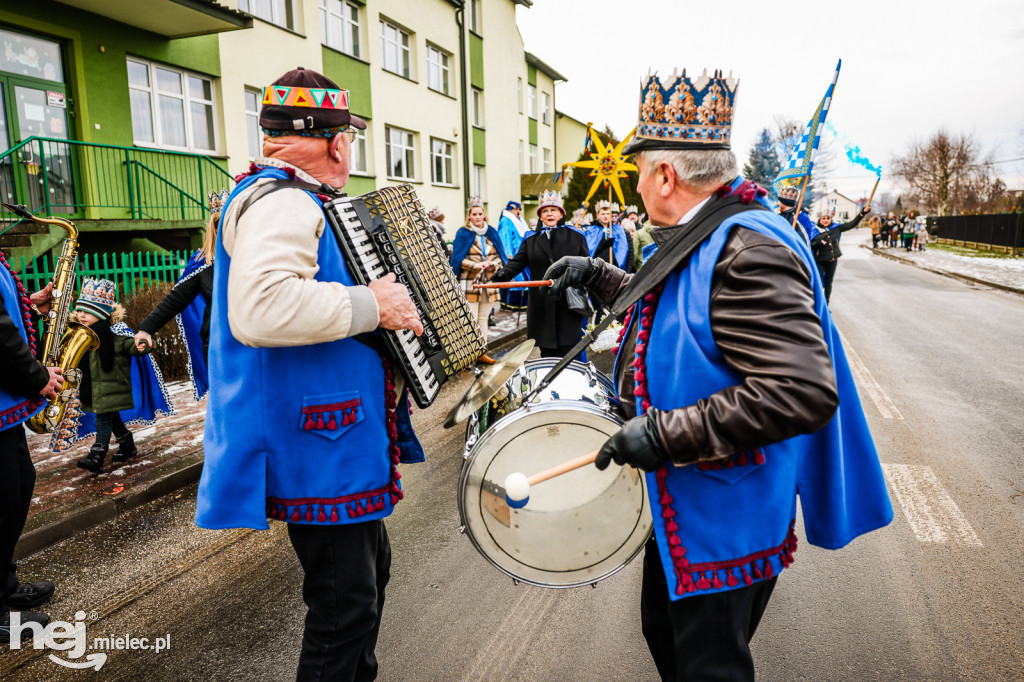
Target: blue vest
x: 15, y: 408
x: 724, y: 526
x: 595, y: 234
x: 296, y: 433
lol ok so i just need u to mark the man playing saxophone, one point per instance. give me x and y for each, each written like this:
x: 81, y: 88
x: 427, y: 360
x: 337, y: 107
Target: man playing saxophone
x: 25, y: 385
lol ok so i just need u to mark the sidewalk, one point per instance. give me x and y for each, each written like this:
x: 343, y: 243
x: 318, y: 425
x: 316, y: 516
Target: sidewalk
x: 67, y: 499
x: 1002, y: 273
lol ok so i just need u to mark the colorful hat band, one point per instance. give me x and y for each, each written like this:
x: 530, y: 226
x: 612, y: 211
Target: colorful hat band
x: 313, y: 98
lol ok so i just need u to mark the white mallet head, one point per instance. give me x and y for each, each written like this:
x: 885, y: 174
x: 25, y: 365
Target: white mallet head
x: 517, y: 490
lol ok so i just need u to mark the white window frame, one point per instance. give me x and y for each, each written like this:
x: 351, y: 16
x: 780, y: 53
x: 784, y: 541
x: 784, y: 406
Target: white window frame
x: 445, y: 151
x: 439, y: 70
x: 519, y: 94
x: 477, y: 107
x: 479, y: 181
x: 404, y: 141
x: 531, y: 101
x: 359, y: 159
x: 475, y: 19
x: 545, y: 107
x: 278, y: 12
x: 187, y: 101
x: 402, y: 46
x: 533, y: 157
x: 252, y: 121
x: 345, y: 14
x: 522, y: 168
x: 546, y: 156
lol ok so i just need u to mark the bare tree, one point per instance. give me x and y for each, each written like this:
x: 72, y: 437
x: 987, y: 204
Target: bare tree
x: 948, y: 173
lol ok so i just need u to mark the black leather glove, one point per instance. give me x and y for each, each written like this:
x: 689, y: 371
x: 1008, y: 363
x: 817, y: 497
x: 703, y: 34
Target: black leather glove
x: 636, y: 443
x: 606, y: 243
x: 570, y: 271
x: 502, y: 275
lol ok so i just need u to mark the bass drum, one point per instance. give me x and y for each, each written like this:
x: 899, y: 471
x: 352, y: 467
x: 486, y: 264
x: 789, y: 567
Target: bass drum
x: 577, y: 528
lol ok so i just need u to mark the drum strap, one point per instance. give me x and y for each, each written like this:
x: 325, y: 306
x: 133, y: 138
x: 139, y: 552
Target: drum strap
x: 664, y: 261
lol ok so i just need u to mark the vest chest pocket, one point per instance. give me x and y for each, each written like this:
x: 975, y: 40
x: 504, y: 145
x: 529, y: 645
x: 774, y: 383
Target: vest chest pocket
x: 735, y: 468
x: 332, y: 414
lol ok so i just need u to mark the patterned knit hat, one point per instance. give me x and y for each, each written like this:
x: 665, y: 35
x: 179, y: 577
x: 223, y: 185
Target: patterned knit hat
x: 550, y: 198
x: 98, y: 296
x: 304, y: 102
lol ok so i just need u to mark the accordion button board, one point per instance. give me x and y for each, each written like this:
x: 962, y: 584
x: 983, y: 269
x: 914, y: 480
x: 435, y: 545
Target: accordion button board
x: 388, y: 231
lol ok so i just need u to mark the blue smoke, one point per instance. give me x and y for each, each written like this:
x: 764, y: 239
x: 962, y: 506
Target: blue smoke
x: 853, y: 152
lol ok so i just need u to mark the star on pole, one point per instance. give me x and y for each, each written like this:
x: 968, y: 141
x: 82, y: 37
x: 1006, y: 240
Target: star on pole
x: 607, y: 164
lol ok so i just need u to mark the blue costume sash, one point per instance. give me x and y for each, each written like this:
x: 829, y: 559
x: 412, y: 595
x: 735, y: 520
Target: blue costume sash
x: 190, y: 324
x: 595, y: 234
x: 15, y: 409
x: 149, y: 394
x: 724, y: 525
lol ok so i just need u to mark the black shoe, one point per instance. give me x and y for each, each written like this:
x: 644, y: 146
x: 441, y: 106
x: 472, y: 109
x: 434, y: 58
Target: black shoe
x: 30, y: 595
x: 26, y: 617
x: 125, y: 449
x: 94, y: 460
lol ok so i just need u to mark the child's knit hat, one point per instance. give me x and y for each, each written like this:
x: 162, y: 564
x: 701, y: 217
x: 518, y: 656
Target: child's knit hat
x: 99, y: 296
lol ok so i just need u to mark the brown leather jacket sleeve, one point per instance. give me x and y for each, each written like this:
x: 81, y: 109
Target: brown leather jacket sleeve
x: 763, y: 322
x: 608, y: 281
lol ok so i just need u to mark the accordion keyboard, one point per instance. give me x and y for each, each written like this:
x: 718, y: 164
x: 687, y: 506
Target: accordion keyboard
x: 387, y: 231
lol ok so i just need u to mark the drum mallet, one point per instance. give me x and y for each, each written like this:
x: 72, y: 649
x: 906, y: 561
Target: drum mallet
x: 517, y: 485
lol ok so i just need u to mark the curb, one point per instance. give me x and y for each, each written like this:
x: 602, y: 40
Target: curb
x: 163, y: 483
x: 945, y: 273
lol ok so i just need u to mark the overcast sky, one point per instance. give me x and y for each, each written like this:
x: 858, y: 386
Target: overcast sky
x: 909, y: 68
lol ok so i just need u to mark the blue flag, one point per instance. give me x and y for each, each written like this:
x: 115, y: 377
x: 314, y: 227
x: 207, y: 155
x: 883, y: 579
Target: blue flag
x: 801, y: 161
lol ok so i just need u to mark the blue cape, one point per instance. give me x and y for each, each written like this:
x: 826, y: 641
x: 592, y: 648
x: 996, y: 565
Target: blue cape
x: 595, y: 234
x: 148, y: 392
x: 464, y: 242
x: 510, y: 242
x: 190, y: 322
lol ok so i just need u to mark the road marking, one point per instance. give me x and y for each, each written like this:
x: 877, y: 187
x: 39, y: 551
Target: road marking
x: 500, y: 654
x: 865, y: 379
x: 931, y: 512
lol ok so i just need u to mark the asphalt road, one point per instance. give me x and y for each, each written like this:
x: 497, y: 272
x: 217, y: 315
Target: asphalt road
x: 937, y: 595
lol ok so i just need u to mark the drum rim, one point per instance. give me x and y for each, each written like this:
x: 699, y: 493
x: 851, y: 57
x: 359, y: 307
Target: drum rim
x: 470, y: 458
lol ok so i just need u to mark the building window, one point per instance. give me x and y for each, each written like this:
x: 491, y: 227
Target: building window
x: 438, y: 70
x: 533, y: 158
x: 547, y: 160
x: 478, y: 181
x: 478, y: 108
x: 277, y: 12
x: 545, y: 108
x: 400, y: 148
x: 339, y: 26
x: 522, y: 169
x: 519, y: 94
x: 253, y: 97
x: 171, y: 108
x: 442, y: 155
x: 395, y: 53
x: 531, y: 101
x: 475, y: 20
x: 358, y: 162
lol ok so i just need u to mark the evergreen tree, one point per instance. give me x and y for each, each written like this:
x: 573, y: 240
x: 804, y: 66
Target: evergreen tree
x: 579, y: 184
x: 763, y: 165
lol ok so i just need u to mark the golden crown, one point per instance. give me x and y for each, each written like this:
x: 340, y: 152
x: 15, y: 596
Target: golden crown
x: 684, y: 113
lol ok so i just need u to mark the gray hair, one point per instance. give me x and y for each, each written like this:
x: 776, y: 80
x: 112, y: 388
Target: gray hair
x: 701, y: 169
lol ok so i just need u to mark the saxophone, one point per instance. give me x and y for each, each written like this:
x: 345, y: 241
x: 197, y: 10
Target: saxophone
x: 64, y: 341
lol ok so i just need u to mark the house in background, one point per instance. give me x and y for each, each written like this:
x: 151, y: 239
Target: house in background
x: 842, y: 206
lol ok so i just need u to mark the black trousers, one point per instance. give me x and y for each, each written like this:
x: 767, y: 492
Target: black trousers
x: 17, y: 478
x: 702, y: 637
x: 346, y: 570
x: 828, y: 273
x: 107, y: 422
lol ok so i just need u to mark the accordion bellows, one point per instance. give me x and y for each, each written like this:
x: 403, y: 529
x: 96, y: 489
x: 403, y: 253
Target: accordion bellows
x: 388, y: 231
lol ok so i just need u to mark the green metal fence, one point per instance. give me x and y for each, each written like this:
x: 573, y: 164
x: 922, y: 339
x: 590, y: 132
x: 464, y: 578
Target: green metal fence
x: 84, y: 180
x: 130, y: 271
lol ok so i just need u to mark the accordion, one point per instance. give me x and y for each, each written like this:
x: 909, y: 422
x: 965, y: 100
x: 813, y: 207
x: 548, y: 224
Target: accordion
x: 387, y: 231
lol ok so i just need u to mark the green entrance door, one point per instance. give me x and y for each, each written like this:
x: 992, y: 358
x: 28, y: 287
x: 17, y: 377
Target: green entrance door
x: 38, y: 173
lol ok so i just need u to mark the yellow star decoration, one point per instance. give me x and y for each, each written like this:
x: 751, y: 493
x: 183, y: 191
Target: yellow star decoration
x: 607, y: 164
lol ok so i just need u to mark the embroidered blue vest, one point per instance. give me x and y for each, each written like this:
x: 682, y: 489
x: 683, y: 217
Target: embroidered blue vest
x: 14, y: 408
x: 724, y: 526
x: 300, y: 434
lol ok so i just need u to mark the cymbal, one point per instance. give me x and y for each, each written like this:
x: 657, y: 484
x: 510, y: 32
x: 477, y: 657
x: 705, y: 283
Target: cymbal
x: 488, y: 382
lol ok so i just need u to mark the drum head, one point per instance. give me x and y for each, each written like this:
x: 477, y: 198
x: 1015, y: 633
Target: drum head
x: 576, y: 528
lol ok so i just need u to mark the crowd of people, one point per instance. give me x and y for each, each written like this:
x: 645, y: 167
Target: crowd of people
x: 729, y: 365
x: 908, y: 232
